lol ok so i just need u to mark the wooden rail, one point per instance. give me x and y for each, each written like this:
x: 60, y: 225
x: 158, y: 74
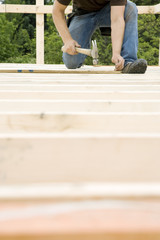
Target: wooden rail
x: 40, y: 9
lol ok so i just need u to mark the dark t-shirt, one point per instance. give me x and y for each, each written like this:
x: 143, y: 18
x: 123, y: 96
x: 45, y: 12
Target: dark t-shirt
x: 92, y: 5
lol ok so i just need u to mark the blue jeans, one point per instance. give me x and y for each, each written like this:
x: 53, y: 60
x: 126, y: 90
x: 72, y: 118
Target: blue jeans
x: 82, y: 27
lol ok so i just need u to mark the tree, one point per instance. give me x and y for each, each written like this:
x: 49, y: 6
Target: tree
x: 7, y: 47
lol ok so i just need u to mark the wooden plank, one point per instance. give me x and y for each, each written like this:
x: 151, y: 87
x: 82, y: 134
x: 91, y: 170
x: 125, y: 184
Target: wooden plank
x: 2, y: 8
x: 78, y: 82
x: 69, y: 71
x: 83, y: 191
x: 150, y: 77
x: 80, y: 122
x: 152, y: 72
x: 76, y: 87
x: 114, y: 220
x: 19, y: 8
x: 79, y: 158
x: 141, y: 9
x: 5, y: 66
x: 40, y: 35
x: 157, y: 9
x: 86, y: 95
x: 22, y: 8
x: 146, y: 9
x: 80, y: 106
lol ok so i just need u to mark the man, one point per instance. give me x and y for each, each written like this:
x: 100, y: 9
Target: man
x: 120, y: 15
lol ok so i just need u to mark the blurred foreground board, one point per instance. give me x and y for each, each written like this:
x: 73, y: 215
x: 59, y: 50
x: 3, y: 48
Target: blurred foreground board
x: 86, y: 220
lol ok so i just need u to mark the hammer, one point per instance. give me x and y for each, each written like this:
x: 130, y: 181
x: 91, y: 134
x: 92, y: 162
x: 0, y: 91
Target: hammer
x: 90, y: 52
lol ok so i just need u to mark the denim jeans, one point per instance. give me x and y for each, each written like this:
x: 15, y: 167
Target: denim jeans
x: 82, y: 27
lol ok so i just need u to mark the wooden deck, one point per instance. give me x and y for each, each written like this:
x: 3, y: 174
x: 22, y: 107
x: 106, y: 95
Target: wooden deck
x: 79, y: 153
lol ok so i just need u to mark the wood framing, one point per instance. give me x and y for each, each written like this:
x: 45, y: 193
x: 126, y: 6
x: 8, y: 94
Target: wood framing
x: 40, y: 34
x: 84, y: 191
x: 70, y: 95
x: 40, y: 9
x: 157, y: 9
x: 86, y: 220
x: 79, y: 157
x: 47, y: 9
x: 21, y: 122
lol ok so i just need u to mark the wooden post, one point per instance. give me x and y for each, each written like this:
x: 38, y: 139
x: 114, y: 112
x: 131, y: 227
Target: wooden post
x: 40, y: 35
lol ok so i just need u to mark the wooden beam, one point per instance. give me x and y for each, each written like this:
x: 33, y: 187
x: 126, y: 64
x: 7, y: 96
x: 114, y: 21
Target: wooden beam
x: 88, y: 95
x: 82, y: 88
x: 77, y: 82
x: 2, y: 8
x: 40, y: 34
x: 146, y: 9
x: 79, y: 105
x: 60, y: 69
x: 69, y: 71
x: 157, y: 9
x: 81, y: 220
x: 70, y: 191
x: 76, y: 122
x: 19, y: 8
x: 79, y: 158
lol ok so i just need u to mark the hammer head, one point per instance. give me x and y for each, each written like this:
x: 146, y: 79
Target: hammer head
x: 94, y: 52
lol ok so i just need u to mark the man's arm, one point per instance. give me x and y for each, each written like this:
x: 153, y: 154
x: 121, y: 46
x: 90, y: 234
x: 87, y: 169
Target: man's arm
x: 118, y: 27
x: 60, y: 23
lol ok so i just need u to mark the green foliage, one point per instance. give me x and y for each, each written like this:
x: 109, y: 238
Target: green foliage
x: 53, y: 44
x: 149, y: 26
x: 7, y: 48
x: 146, y: 2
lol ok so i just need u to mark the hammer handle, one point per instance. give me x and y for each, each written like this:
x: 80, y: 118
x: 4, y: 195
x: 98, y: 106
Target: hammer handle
x: 82, y: 50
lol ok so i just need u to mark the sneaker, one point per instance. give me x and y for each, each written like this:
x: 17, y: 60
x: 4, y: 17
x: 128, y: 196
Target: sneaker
x: 137, y: 67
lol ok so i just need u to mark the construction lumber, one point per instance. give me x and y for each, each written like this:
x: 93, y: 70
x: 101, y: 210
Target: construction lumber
x: 80, y: 122
x: 44, y: 9
x: 69, y: 71
x: 70, y: 80
x: 79, y: 82
x: 157, y: 9
x: 80, y: 106
x: 79, y: 157
x: 60, y: 68
x: 152, y: 73
x: 87, y: 220
x: 40, y: 34
x: 79, y: 87
x: 86, y: 95
x: 82, y: 191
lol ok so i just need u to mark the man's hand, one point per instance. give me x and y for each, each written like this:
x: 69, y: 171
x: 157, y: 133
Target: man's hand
x: 70, y: 47
x: 119, y: 61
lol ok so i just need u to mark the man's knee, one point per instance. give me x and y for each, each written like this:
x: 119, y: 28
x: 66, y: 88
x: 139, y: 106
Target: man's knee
x: 131, y: 10
x: 72, y: 62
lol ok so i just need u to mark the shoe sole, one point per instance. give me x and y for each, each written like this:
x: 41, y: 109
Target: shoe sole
x: 139, y: 67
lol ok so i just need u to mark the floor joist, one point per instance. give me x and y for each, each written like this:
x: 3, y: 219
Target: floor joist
x: 76, y: 87
x: 86, y: 95
x: 80, y: 122
x: 79, y: 105
x: 86, y: 220
x: 79, y: 157
x: 81, y: 191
